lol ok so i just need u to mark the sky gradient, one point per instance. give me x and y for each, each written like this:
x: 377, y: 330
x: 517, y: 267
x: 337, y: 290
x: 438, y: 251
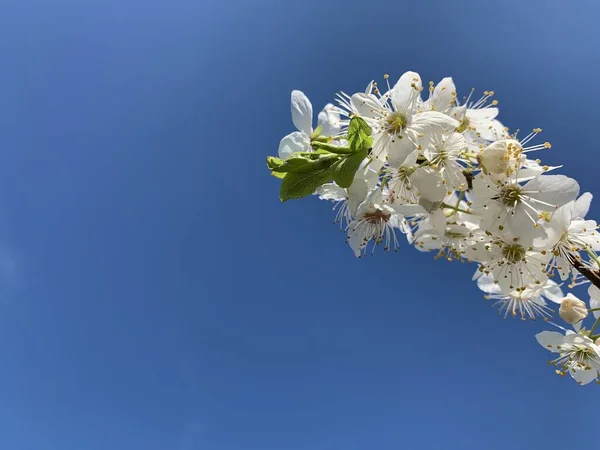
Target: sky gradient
x: 156, y: 295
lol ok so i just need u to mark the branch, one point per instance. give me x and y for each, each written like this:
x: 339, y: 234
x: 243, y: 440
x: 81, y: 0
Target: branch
x: 592, y: 275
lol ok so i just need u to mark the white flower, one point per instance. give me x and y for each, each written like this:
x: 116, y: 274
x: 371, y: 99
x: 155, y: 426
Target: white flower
x: 568, y: 233
x: 451, y: 241
x: 527, y: 303
x: 480, y: 118
x: 396, y: 118
x: 509, y: 205
x: 443, y: 151
x: 578, y: 354
x: 298, y: 141
x: 302, y: 116
x: 400, y: 184
x: 511, y: 264
x: 375, y: 221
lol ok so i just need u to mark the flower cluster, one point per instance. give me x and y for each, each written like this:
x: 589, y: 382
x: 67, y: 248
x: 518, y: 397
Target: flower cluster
x: 452, y: 179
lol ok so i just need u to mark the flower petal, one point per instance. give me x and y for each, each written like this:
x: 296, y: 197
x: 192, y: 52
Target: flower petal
x: 302, y: 112
x: 331, y: 191
x: 594, y: 294
x: 553, y: 190
x: 294, y: 142
x: 550, y: 340
x: 482, y: 114
x: 583, y: 376
x: 582, y: 205
x: 366, y: 105
x: 443, y: 94
x: 406, y: 92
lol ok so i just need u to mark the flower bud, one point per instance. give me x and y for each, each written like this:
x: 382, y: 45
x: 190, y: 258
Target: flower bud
x: 597, y: 342
x: 496, y: 158
x: 572, y: 310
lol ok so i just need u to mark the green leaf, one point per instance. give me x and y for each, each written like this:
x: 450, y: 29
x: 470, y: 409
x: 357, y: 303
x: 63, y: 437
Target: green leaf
x: 359, y: 135
x: 344, y: 170
x: 298, y: 185
x: 303, y: 162
x: 280, y: 175
x: 330, y: 148
x: 273, y: 162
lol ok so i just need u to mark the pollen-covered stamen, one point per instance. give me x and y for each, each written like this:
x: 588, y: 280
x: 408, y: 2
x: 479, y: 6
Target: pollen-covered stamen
x: 513, y: 253
x: 510, y: 195
x: 441, y: 157
x: 482, y: 102
x: 395, y: 123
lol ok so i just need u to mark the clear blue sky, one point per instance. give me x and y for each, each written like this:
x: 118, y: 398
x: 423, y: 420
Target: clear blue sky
x: 155, y: 294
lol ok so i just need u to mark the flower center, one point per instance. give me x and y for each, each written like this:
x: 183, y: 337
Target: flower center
x: 513, y: 253
x: 395, y: 123
x: 377, y: 217
x: 510, y: 196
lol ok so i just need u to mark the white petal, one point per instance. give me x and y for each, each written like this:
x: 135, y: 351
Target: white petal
x: 428, y: 242
x: 487, y: 285
x: 294, y: 142
x: 492, y: 130
x: 442, y: 96
x: 482, y: 114
x: 429, y: 183
x: 398, y: 151
x: 555, y: 190
x: 302, y: 112
x: 367, y: 105
x: 329, y: 120
x: 583, y: 377
x: 357, y: 193
x: 594, y: 293
x: 424, y: 121
x: 550, y: 340
x: 331, y: 191
x: 409, y: 210
x: 552, y: 292
x: 582, y: 206
x: 404, y: 94
x: 355, y: 238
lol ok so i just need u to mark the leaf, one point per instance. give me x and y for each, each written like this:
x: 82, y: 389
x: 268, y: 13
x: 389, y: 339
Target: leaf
x: 330, y: 148
x: 280, y: 175
x: 273, y: 162
x: 306, y: 162
x: 359, y: 135
x: 344, y: 170
x: 298, y: 185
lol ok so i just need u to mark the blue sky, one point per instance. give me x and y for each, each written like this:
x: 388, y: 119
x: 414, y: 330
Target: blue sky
x: 155, y: 294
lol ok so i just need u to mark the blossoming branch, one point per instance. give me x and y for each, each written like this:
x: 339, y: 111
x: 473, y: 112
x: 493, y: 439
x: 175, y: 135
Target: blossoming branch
x: 452, y: 179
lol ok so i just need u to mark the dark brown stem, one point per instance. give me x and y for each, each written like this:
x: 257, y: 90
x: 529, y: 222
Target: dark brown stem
x: 592, y: 275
